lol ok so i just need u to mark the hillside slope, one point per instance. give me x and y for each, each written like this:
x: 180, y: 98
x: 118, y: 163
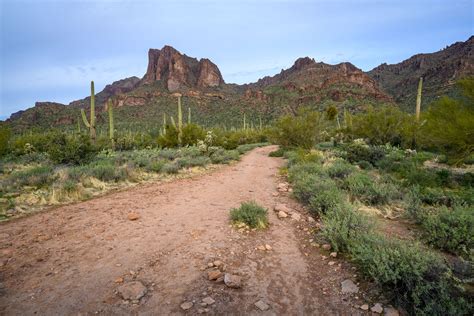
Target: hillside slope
x: 440, y: 71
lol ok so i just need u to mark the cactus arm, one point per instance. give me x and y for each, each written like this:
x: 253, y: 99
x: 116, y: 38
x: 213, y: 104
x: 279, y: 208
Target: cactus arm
x: 84, y: 119
x: 173, y: 122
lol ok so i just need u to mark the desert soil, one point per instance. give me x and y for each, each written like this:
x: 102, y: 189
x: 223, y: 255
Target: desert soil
x: 72, y: 260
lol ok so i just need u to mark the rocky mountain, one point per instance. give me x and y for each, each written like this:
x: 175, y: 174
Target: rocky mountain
x: 169, y: 72
x: 178, y: 71
x: 310, y: 81
x: 440, y: 71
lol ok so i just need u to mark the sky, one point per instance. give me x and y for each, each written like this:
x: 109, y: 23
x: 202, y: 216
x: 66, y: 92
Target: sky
x: 50, y: 50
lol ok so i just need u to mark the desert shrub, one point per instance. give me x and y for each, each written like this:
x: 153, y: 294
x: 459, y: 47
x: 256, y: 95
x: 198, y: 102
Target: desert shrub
x: 156, y: 165
x: 414, y: 205
x: 340, y: 169
x: 191, y: 134
x: 302, y: 130
x: 303, y: 156
x: 251, y: 214
x: 5, y: 135
x: 169, y: 153
x: 280, y: 152
x: 383, y: 125
x: 466, y: 179
x: 448, y: 125
x: 417, y: 279
x: 325, y: 197
x: 170, y: 138
x: 170, y: 168
x: 192, y: 161
x: 365, y: 165
x: 359, y: 151
x: 36, y: 176
x: 367, y: 190
x: 344, y: 226
x: 71, y: 149
x: 306, y: 168
x: 221, y: 156
x: 105, y: 171
x: 247, y: 147
x: 303, y: 185
x: 451, y: 229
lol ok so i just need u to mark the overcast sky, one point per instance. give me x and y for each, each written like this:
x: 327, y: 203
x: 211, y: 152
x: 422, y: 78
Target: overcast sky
x: 51, y: 49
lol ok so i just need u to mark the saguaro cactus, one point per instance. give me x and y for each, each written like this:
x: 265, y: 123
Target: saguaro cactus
x: 180, y: 120
x: 245, y: 122
x: 418, y: 99
x: 90, y: 125
x: 189, y: 115
x: 110, y: 110
x: 164, y: 124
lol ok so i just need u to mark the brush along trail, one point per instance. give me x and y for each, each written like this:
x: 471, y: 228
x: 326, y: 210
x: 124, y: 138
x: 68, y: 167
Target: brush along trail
x: 151, y: 250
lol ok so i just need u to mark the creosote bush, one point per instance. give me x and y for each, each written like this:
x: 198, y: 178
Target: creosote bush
x: 250, y: 214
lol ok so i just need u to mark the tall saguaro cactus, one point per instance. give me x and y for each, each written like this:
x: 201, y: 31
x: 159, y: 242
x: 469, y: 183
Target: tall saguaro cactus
x: 180, y: 120
x: 189, y: 115
x: 418, y: 99
x: 90, y: 125
x: 110, y: 110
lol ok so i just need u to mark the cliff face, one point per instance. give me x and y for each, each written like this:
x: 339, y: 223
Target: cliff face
x: 440, y: 71
x: 177, y: 71
x: 308, y: 81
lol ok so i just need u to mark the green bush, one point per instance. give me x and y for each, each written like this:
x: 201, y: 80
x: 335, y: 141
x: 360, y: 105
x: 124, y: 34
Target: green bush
x: 105, y: 171
x: 303, y: 130
x: 36, y: 176
x: 326, y: 197
x: 5, y: 135
x: 251, y: 214
x: 222, y: 156
x: 417, y: 279
x: 185, y: 162
x: 156, y: 165
x: 191, y: 134
x: 170, y: 139
x: 71, y: 149
x: 359, y: 151
x: 340, y: 169
x: 367, y: 190
x: 448, y: 125
x: 280, y: 152
x: 451, y: 230
x: 384, y: 125
x: 242, y: 149
x: 344, y: 227
x: 170, y: 168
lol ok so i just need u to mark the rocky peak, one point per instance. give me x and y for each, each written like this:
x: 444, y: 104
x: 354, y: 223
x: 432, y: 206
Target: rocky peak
x: 302, y: 62
x: 179, y: 71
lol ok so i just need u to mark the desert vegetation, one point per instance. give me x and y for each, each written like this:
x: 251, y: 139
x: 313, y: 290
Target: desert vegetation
x: 384, y: 169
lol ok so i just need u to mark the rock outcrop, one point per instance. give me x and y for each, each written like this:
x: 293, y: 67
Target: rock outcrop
x: 440, y: 71
x: 177, y: 71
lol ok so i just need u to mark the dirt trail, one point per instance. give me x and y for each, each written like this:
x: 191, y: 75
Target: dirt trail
x: 67, y: 261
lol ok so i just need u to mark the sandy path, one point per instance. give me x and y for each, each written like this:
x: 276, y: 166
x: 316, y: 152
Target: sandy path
x: 66, y: 261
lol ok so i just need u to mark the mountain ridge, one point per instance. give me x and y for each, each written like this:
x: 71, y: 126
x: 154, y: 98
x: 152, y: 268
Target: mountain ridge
x: 305, y: 83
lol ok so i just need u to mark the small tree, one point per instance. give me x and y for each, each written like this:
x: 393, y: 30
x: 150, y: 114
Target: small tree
x: 449, y: 125
x: 302, y: 130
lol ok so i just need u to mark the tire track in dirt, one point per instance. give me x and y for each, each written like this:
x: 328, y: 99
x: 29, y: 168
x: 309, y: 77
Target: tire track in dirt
x: 66, y: 261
